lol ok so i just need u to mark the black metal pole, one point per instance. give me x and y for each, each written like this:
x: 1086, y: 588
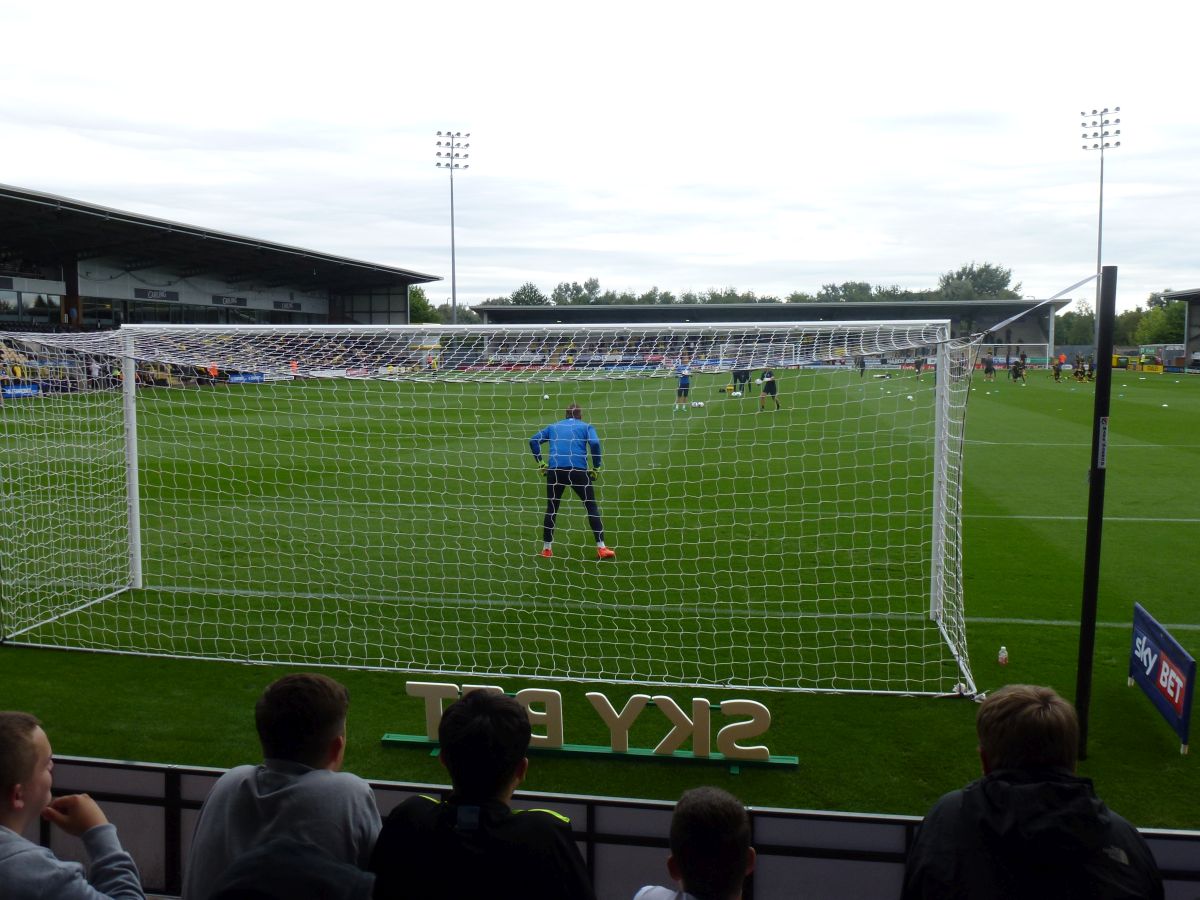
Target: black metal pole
x: 1105, y: 314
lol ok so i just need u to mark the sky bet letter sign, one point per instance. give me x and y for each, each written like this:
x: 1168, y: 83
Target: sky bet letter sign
x: 1166, y: 672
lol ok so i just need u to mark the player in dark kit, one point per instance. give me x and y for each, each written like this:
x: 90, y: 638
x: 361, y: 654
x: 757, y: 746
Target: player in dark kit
x: 570, y: 442
x: 741, y: 380
x: 769, y: 389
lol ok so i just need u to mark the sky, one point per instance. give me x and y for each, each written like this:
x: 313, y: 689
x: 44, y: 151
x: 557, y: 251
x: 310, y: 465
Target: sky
x: 771, y: 147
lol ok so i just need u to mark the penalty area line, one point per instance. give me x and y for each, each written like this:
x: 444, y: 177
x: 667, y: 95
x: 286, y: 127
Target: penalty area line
x: 1064, y: 623
x: 1148, y: 519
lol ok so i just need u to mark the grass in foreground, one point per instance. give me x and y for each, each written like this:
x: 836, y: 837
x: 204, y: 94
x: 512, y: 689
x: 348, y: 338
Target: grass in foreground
x: 1025, y: 499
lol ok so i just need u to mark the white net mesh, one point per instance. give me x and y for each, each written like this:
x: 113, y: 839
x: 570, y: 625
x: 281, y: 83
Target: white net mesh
x: 367, y: 497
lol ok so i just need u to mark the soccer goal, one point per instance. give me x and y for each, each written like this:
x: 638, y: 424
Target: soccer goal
x: 366, y: 496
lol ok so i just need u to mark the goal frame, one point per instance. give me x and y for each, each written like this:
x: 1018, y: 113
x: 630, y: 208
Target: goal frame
x: 945, y: 562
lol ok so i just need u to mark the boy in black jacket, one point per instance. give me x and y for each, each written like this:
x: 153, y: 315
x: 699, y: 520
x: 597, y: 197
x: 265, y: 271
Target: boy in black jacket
x: 1030, y: 827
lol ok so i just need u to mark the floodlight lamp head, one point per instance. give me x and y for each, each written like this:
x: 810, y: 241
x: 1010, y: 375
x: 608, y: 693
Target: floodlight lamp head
x: 1116, y: 109
x: 1094, y: 112
x: 439, y: 134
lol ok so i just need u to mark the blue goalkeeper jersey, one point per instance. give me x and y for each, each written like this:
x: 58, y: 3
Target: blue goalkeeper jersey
x: 569, y: 442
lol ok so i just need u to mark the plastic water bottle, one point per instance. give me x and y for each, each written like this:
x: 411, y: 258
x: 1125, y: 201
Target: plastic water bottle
x: 1003, y: 657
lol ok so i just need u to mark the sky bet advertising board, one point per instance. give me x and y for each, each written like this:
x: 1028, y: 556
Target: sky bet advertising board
x: 1166, y: 672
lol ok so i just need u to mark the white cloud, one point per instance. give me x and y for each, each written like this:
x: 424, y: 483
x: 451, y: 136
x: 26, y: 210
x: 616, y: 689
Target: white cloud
x: 765, y: 146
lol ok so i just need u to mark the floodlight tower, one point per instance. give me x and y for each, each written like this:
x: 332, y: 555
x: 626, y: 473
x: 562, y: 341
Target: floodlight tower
x: 451, y: 146
x: 1098, y: 128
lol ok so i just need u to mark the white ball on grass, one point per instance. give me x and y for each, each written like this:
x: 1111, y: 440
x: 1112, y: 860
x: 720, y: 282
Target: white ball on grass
x: 545, y: 396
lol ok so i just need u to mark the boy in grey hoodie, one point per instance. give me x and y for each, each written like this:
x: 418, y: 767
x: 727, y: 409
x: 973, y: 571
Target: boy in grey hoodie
x: 31, y: 872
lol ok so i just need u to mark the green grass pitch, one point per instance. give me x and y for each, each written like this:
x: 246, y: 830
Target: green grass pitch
x: 395, y: 525
x: 1025, y: 499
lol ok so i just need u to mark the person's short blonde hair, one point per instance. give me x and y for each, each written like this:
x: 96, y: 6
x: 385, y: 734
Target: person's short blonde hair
x: 1024, y: 726
x: 18, y: 755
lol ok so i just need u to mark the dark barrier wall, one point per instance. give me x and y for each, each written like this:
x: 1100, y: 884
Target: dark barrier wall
x: 820, y: 854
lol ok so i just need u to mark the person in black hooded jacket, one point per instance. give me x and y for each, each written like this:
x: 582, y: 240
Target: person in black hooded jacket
x: 1030, y: 828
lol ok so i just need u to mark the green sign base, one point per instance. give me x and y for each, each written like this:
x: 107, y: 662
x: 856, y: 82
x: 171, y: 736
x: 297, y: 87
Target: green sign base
x: 682, y: 756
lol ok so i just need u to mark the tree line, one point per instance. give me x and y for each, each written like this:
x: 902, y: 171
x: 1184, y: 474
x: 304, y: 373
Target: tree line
x: 970, y: 282
x: 1161, y: 322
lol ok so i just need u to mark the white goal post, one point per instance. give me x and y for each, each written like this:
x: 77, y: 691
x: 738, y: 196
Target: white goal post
x: 367, y: 496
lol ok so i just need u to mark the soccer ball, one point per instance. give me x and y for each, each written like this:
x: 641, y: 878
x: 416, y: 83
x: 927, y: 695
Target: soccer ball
x: 697, y: 404
x: 758, y: 381
x: 736, y: 394
x: 545, y: 396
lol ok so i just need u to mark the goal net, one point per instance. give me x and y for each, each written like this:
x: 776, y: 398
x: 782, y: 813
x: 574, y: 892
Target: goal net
x: 367, y: 496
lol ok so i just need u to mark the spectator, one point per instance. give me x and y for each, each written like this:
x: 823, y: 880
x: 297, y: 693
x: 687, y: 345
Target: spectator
x: 31, y: 872
x: 285, y: 869
x: 298, y: 792
x: 1030, y: 827
x: 473, y: 844
x: 710, y: 848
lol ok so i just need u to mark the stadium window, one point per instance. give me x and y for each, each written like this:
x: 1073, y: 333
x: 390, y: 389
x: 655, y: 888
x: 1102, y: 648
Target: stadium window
x: 10, y: 306
x: 46, y: 308
x: 98, y: 313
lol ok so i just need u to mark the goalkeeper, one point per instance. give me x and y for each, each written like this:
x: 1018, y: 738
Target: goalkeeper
x: 570, y: 441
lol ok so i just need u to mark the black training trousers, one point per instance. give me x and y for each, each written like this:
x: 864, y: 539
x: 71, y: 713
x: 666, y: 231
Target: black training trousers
x: 557, y: 480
